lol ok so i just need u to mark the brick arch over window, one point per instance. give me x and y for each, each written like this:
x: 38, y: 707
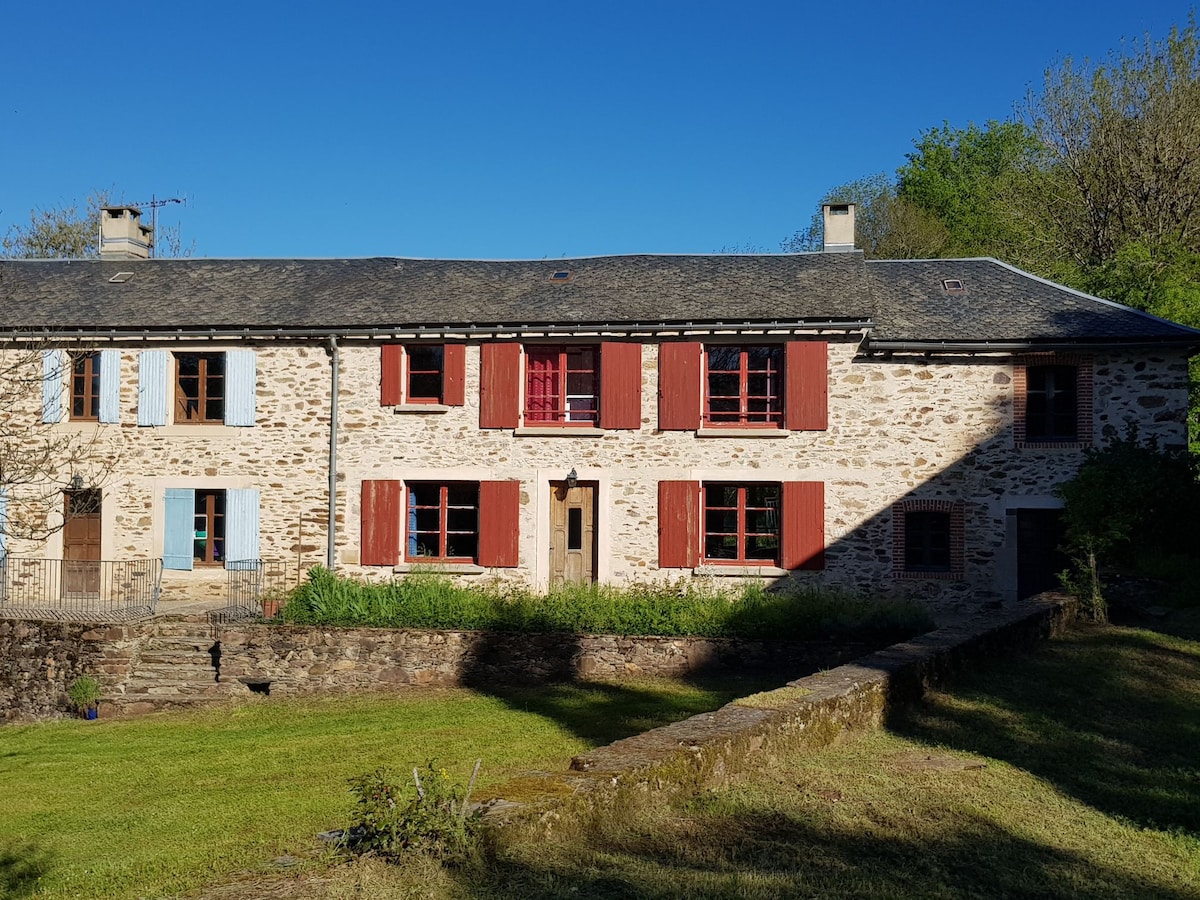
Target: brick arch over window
x: 909, y: 515
x: 1084, y: 387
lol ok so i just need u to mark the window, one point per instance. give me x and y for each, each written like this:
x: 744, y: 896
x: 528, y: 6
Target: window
x: 85, y: 386
x: 562, y: 385
x: 208, y: 532
x: 200, y: 388
x: 443, y: 522
x: 422, y: 374
x: 1052, y: 401
x: 1050, y: 404
x: 927, y: 539
x: 741, y: 523
x: 744, y: 385
x: 209, y: 527
x: 754, y: 386
x: 568, y: 385
x: 457, y: 522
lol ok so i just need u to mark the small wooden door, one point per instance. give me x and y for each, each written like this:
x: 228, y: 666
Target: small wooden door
x: 572, y: 533
x: 81, y: 543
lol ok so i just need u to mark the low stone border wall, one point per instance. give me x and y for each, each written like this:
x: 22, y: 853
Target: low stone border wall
x: 813, y: 711
x: 301, y: 660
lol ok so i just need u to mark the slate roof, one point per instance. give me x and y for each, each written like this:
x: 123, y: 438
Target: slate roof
x: 905, y: 299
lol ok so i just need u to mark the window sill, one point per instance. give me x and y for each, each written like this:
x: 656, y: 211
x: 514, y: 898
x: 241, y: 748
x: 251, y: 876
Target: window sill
x: 559, y: 431
x: 405, y: 408
x: 1052, y: 445
x: 740, y: 571
x: 206, y: 430
x: 903, y: 575
x: 437, y: 568
x: 741, y: 433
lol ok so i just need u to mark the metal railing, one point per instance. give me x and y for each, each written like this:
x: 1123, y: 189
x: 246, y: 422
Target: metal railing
x: 79, y: 590
x: 247, y: 582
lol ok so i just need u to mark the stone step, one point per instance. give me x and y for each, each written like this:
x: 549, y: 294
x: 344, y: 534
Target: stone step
x: 169, y: 658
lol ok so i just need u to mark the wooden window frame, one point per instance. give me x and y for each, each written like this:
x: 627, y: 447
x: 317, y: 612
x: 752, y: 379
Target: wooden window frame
x: 741, y: 535
x: 955, y: 520
x: 411, y: 396
x: 443, y: 508
x: 85, y: 386
x: 1084, y: 401
x: 202, y: 399
x: 774, y: 414
x: 562, y: 415
x: 212, y: 515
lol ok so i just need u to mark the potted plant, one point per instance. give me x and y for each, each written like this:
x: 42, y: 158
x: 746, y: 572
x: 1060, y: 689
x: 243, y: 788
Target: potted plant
x: 85, y: 695
x: 272, y: 601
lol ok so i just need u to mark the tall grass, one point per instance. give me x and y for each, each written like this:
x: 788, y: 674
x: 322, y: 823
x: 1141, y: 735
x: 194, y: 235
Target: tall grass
x: 669, y: 609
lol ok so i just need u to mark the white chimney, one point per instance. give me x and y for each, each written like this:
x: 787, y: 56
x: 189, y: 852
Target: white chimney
x: 839, y: 227
x: 122, y: 234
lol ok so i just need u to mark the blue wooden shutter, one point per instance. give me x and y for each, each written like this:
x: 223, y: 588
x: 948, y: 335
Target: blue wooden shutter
x: 240, y: 378
x: 110, y: 385
x: 241, y: 525
x: 179, y: 523
x: 152, y: 390
x: 54, y: 364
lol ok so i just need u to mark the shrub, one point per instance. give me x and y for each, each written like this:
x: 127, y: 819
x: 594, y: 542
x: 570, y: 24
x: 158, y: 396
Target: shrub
x: 682, y: 608
x: 84, y: 692
x: 430, y: 815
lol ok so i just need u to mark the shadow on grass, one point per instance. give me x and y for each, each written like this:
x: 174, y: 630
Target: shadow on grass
x: 753, y: 853
x: 22, y: 863
x: 1109, y: 715
x: 600, y: 712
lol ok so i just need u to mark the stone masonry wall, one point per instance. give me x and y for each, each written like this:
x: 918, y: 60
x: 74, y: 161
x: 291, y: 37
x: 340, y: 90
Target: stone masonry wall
x: 906, y: 428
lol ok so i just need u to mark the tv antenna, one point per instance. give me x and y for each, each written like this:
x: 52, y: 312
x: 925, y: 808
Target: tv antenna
x: 153, y: 206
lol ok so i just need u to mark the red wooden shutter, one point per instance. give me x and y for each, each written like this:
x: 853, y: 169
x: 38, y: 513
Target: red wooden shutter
x: 807, y: 390
x: 499, y: 523
x: 391, y: 374
x: 499, y: 385
x: 620, y: 385
x: 803, y: 525
x: 678, y: 524
x: 380, y: 519
x: 679, y: 386
x: 454, y: 374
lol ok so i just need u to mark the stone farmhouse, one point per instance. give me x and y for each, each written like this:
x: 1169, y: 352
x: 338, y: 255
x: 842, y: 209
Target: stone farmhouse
x: 892, y: 426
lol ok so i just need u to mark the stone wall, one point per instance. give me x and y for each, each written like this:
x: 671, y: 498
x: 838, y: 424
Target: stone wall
x: 899, y: 429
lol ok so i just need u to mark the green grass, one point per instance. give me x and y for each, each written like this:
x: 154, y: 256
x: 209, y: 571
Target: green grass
x: 1070, y: 772
x: 683, y: 608
x: 164, y: 803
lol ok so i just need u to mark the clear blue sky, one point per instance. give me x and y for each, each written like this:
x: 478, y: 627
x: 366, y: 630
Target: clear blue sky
x: 506, y: 130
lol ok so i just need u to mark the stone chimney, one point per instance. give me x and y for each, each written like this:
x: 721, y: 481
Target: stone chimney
x: 839, y: 227
x: 122, y: 234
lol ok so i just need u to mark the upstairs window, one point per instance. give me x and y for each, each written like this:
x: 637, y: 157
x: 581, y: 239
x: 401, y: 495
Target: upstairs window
x: 1053, y: 401
x: 200, y: 388
x: 741, y: 523
x: 85, y: 386
x: 1051, y: 405
x: 443, y: 522
x: 562, y: 385
x: 744, y: 385
x: 422, y: 374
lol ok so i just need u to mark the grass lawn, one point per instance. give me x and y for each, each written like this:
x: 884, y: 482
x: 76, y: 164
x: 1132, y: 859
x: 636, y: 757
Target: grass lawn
x: 1073, y: 771
x: 154, y: 806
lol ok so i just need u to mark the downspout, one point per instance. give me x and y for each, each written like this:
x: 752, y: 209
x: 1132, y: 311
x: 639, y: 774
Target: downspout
x: 333, y: 436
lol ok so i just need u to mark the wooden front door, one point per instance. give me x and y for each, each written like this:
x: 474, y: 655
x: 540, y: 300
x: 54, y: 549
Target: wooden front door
x: 572, y: 533
x: 81, y: 543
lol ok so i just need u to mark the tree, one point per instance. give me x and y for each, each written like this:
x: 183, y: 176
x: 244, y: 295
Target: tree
x: 63, y: 232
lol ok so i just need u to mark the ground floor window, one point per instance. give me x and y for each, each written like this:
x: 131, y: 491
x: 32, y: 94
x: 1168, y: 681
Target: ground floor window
x: 443, y: 521
x: 741, y: 523
x: 208, y: 534
x: 927, y: 539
